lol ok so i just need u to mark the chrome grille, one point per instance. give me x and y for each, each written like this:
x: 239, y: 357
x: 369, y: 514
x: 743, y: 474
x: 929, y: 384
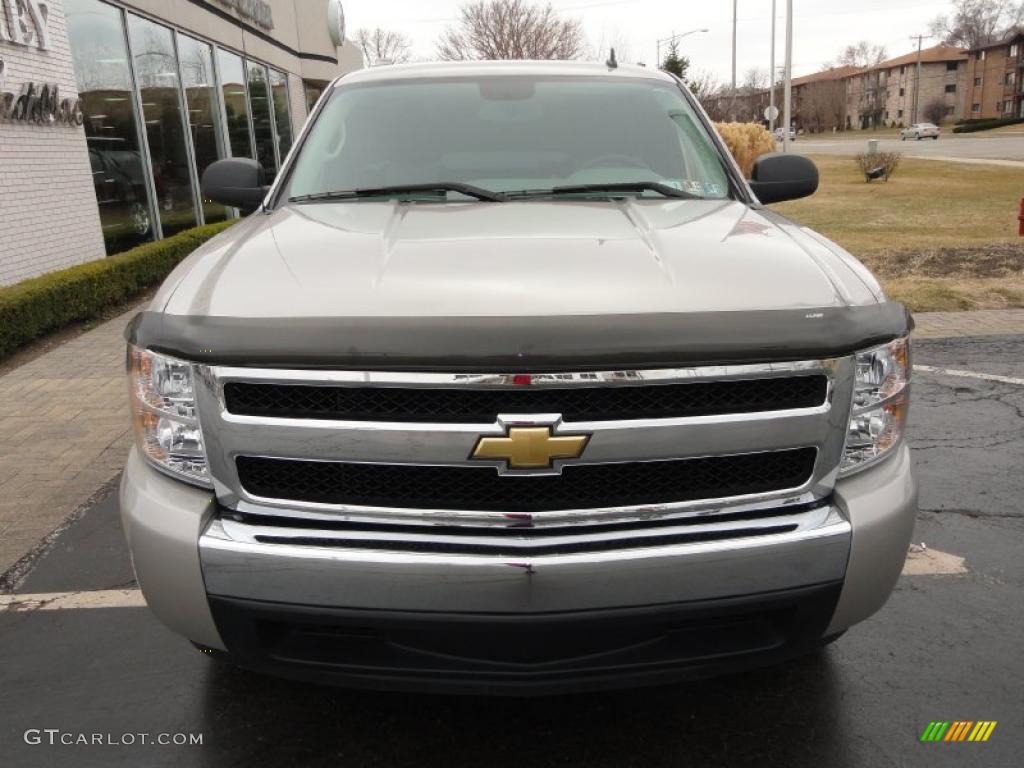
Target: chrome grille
x: 717, y: 459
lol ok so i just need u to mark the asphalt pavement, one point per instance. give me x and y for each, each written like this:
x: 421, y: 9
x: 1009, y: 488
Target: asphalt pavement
x: 965, y: 147
x: 946, y: 647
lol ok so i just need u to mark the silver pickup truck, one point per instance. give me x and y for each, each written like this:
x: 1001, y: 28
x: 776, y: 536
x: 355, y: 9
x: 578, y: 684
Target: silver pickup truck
x: 510, y: 383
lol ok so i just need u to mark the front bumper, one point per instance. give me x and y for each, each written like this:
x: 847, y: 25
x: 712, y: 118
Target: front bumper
x: 472, y: 622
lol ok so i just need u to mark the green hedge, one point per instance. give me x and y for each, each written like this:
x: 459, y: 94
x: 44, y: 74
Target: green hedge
x: 41, y: 304
x: 984, y: 125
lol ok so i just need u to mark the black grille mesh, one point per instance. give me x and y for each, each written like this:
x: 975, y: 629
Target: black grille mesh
x: 460, y: 405
x: 481, y: 488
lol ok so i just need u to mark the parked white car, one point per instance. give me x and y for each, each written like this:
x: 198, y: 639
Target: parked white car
x: 920, y: 131
x: 779, y: 135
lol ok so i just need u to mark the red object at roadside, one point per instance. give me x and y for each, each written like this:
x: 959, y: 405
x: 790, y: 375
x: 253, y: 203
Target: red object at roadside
x: 1020, y: 218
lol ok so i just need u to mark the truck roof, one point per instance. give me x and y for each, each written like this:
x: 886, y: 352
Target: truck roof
x: 498, y: 68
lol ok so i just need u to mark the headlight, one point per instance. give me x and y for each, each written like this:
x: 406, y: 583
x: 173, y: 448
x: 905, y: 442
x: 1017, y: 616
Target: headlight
x: 164, y: 415
x: 879, y: 405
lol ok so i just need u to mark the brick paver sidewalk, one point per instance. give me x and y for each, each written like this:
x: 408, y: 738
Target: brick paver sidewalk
x: 64, y: 432
x: 64, y: 428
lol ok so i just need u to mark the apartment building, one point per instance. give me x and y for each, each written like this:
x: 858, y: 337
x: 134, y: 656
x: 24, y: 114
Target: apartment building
x: 995, y: 79
x: 819, y: 99
x: 885, y: 94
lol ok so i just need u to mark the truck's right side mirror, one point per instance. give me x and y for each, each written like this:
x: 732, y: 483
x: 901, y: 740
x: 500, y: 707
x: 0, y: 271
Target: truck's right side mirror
x: 237, y: 182
x: 779, y: 176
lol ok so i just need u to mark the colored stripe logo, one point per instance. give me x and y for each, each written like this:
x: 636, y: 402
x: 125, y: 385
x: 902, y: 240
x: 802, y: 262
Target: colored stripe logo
x: 959, y: 730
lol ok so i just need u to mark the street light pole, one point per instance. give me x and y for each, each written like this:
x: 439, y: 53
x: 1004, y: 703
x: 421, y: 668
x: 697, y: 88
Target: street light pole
x: 787, y: 103
x: 917, y: 76
x: 771, y: 78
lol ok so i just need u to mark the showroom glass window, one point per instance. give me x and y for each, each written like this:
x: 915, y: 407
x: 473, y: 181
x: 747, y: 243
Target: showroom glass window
x: 156, y: 74
x: 100, y: 54
x: 262, y: 121
x: 282, y: 115
x: 314, y: 90
x: 203, y: 114
x: 236, y: 105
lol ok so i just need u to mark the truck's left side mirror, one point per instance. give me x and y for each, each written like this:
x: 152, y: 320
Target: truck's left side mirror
x: 237, y: 182
x: 778, y: 176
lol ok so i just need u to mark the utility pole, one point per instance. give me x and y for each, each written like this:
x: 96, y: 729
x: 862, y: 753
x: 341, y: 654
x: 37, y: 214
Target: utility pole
x: 771, y: 77
x: 787, y: 96
x: 734, y: 48
x: 917, y: 76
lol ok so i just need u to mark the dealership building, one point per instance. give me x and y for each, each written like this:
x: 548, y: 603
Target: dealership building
x: 110, y: 112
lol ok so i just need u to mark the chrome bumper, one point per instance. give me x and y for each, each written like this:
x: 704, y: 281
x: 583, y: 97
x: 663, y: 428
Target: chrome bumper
x: 237, y: 565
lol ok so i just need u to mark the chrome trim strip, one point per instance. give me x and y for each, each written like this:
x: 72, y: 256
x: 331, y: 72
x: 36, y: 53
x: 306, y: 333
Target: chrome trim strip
x: 251, y: 532
x: 225, y: 374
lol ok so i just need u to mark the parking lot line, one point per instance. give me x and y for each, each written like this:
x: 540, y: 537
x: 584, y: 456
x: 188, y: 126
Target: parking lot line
x: 969, y: 374
x: 56, y: 601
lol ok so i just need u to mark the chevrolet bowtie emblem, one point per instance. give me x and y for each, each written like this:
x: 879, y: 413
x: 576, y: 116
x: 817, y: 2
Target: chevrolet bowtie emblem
x: 530, y: 447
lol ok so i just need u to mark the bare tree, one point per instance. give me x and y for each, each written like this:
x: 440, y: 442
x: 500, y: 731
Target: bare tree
x: 822, y: 105
x: 382, y: 46
x: 862, y: 54
x: 934, y: 111
x: 706, y: 88
x: 977, y: 22
x: 511, y: 29
x: 617, y: 39
x: 755, y: 79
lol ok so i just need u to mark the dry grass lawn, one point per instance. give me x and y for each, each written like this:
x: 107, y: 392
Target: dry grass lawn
x: 941, y: 236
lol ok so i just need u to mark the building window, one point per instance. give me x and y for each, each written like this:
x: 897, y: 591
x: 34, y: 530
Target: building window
x: 902, y: 70
x: 1013, y: 50
x: 203, y: 112
x: 980, y: 55
x: 282, y: 112
x: 100, y: 56
x: 156, y: 74
x: 950, y: 111
x: 975, y: 107
x: 314, y: 90
x: 903, y: 91
x: 899, y: 113
x: 262, y: 122
x: 951, y: 88
x: 977, y: 82
x: 951, y: 66
x: 236, y: 103
x: 1008, y: 79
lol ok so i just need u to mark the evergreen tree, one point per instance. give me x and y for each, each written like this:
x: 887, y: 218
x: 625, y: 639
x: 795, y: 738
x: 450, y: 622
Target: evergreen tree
x: 674, y: 63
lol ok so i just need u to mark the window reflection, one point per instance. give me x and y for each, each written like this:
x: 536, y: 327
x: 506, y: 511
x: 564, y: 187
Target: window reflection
x: 156, y: 73
x: 282, y: 113
x: 314, y: 90
x: 262, y: 129
x: 236, y: 106
x: 200, y: 98
x: 100, y: 59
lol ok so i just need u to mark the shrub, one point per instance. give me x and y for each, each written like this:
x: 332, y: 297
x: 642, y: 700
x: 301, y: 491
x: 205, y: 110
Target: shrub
x: 984, y: 125
x: 746, y: 142
x: 41, y: 304
x: 877, y: 165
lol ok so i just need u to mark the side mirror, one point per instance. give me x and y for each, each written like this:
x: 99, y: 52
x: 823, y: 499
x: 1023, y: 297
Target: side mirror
x: 778, y: 176
x: 237, y: 182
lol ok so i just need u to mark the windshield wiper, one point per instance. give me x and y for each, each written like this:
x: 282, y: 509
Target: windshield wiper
x: 625, y: 186
x: 404, y: 189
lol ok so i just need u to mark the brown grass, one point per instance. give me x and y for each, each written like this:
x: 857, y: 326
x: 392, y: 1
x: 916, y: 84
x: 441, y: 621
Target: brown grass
x: 940, y: 236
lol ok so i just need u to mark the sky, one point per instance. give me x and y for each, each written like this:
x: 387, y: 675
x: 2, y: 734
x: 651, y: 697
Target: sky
x: 821, y: 28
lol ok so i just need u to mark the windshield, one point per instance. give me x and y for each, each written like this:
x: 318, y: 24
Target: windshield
x: 522, y: 135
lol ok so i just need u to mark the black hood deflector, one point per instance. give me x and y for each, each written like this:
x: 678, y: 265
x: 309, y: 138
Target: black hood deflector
x: 534, y: 344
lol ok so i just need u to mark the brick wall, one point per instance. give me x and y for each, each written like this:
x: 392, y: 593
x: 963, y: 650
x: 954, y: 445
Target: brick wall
x: 48, y: 213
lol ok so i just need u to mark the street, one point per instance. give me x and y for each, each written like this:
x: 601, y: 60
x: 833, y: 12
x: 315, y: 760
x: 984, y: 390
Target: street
x: 946, y: 647
x: 959, y: 147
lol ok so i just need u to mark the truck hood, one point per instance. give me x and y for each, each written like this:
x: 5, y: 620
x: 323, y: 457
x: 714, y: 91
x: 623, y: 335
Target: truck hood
x: 389, y: 259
